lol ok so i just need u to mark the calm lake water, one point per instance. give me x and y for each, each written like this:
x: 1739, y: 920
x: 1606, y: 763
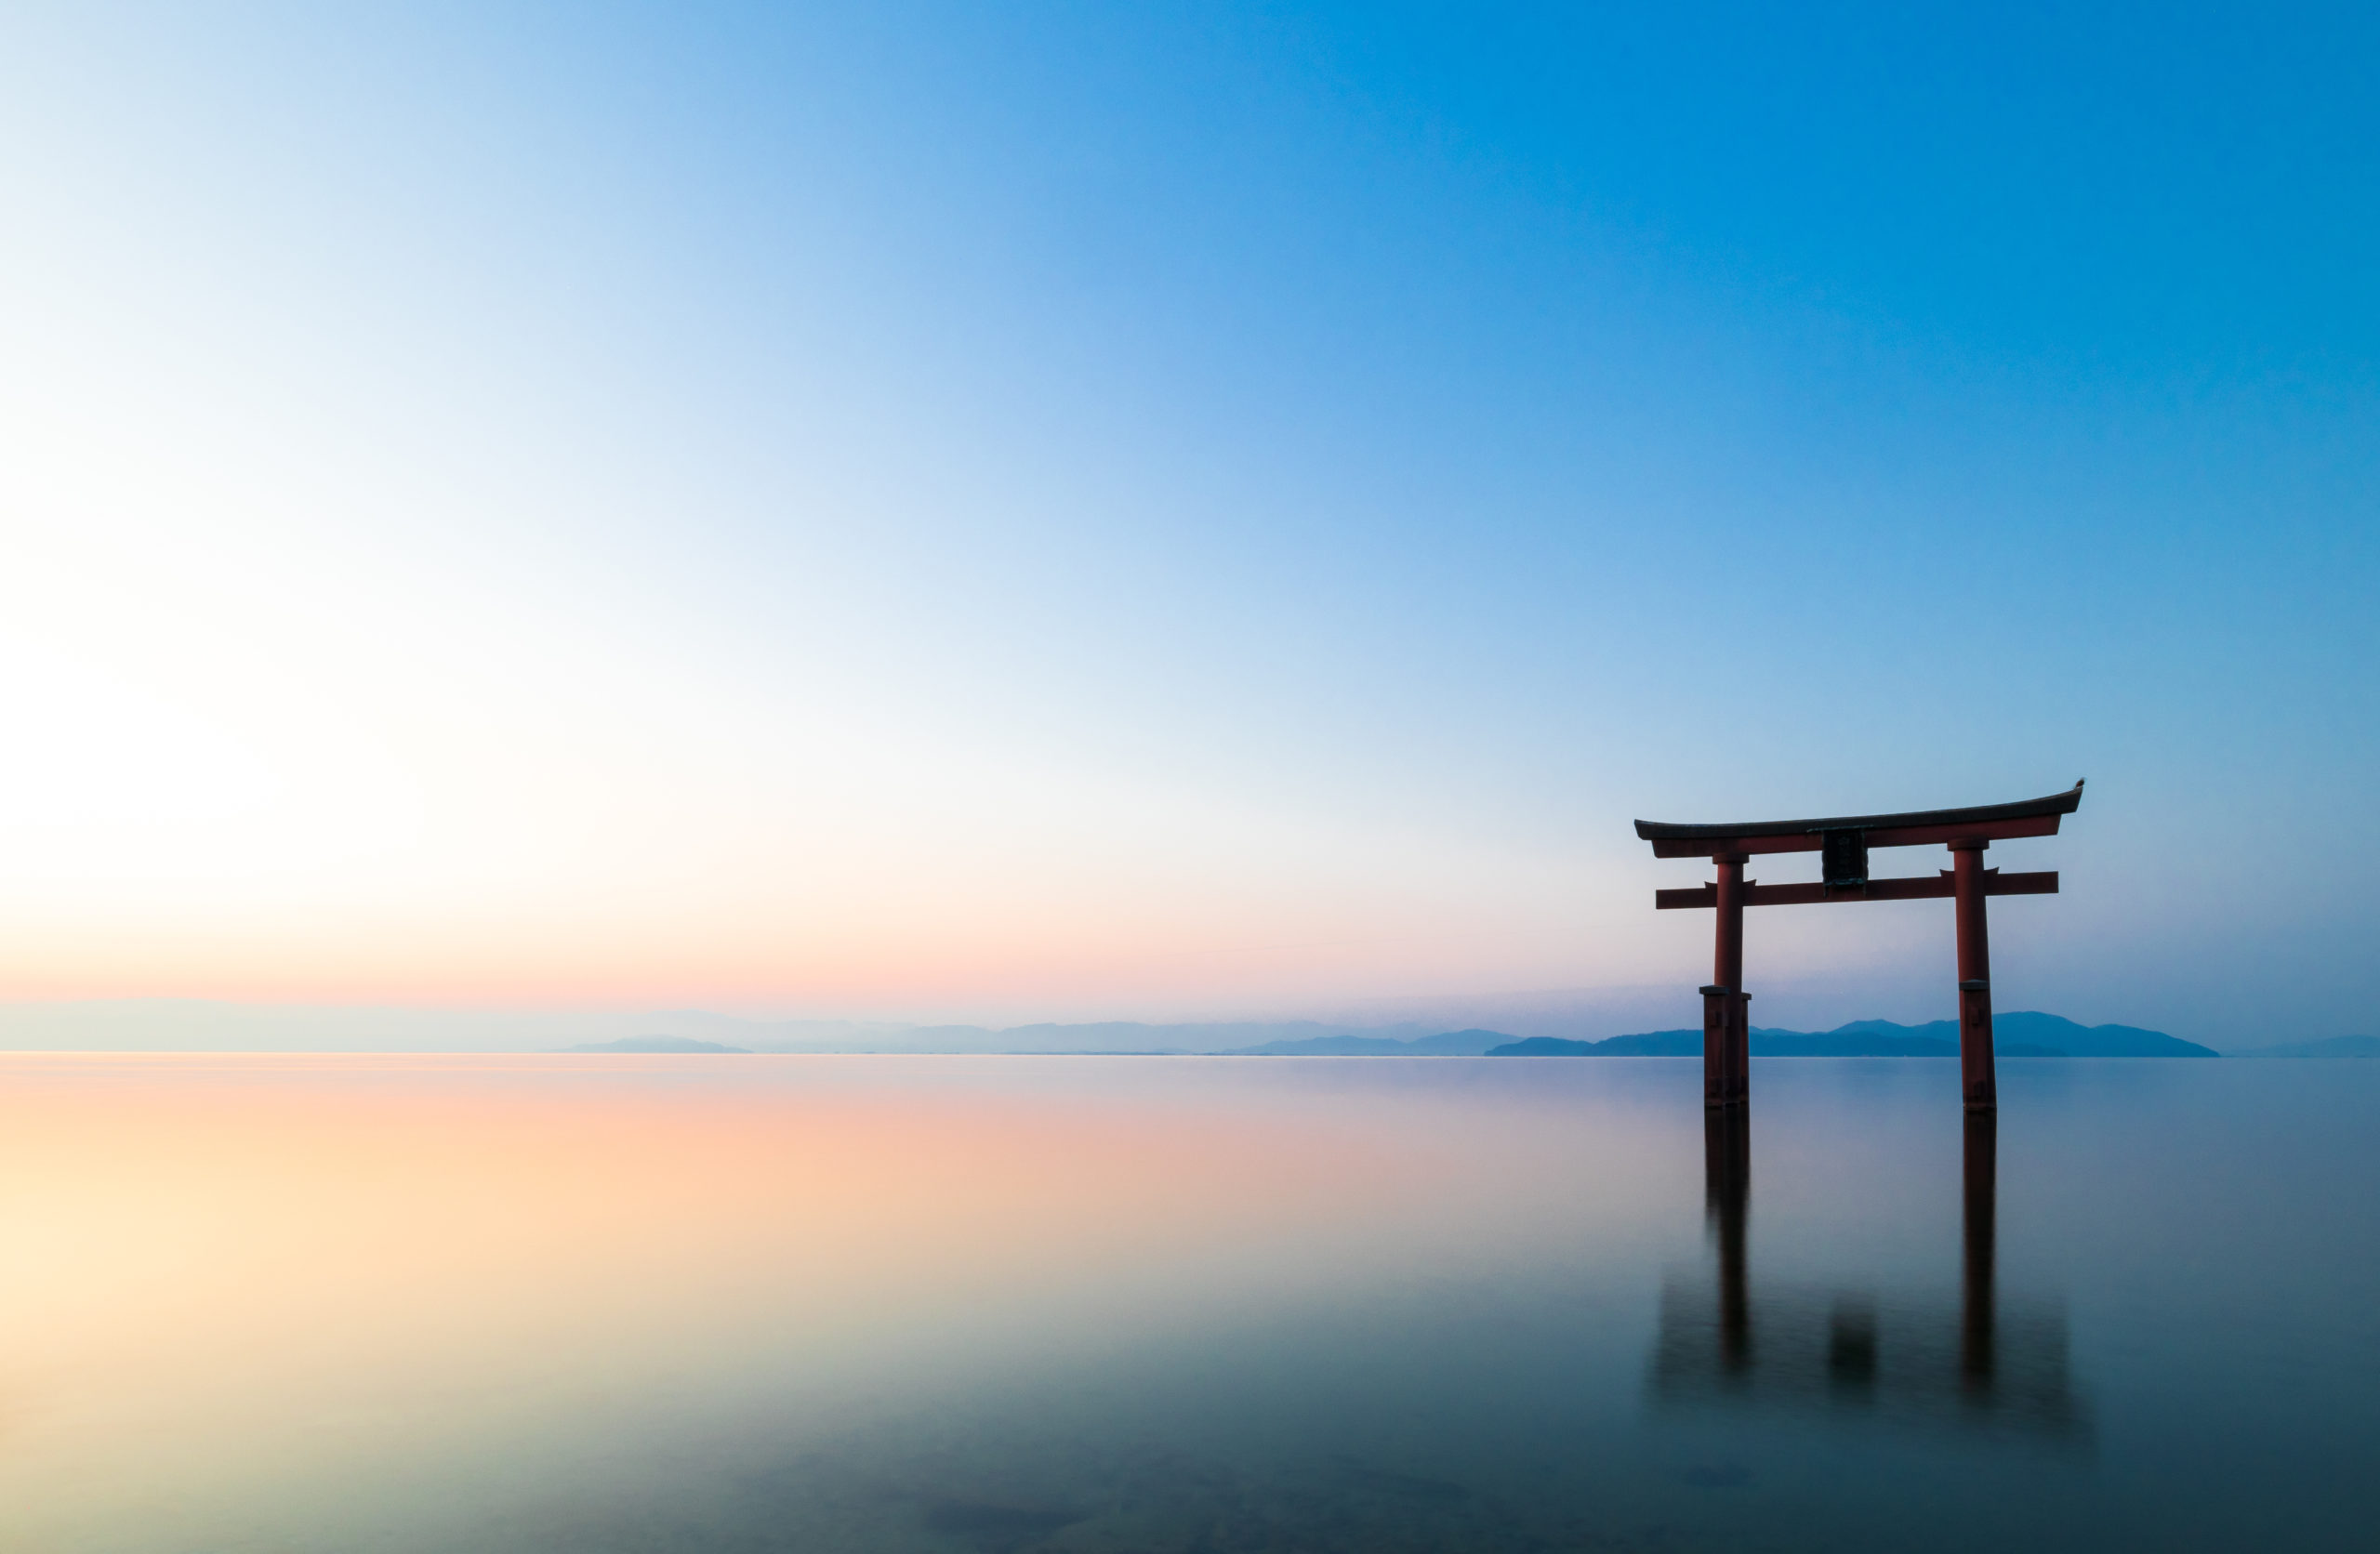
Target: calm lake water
x: 946, y: 1304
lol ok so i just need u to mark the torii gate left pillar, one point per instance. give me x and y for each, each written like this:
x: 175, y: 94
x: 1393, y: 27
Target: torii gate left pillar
x: 1726, y: 1016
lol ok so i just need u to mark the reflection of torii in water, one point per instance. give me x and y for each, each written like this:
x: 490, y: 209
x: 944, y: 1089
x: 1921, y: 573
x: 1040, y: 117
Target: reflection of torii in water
x: 1807, y: 1346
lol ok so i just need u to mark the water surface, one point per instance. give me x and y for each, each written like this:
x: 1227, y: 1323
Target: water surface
x: 946, y: 1304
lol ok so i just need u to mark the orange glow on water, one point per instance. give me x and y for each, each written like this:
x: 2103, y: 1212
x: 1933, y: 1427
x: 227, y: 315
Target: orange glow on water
x: 245, y: 1281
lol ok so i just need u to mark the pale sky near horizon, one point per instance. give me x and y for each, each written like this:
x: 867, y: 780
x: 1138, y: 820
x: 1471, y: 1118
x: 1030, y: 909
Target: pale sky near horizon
x: 1083, y: 511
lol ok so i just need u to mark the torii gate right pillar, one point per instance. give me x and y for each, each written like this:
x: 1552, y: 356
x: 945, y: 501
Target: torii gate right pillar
x: 1976, y: 1071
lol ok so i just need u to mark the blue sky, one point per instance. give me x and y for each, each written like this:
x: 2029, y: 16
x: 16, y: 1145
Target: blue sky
x: 1042, y: 511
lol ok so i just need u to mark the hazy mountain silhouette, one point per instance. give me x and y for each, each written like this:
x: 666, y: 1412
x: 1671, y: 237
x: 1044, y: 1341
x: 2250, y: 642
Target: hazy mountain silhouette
x: 1114, y: 1036
x: 193, y: 1026
x: 2336, y: 1046
x: 2018, y: 1034
x: 1446, y: 1044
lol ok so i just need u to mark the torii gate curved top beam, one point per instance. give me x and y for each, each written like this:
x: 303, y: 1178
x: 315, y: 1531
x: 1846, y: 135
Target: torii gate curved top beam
x: 1845, y: 841
x: 1991, y: 823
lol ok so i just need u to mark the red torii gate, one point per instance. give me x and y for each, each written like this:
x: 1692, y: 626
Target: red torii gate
x: 1843, y: 841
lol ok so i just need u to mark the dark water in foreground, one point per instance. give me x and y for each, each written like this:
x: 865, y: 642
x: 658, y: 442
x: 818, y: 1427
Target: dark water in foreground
x: 357, y: 1304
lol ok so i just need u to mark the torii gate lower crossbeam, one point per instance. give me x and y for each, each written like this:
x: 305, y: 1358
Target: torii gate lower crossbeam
x: 1844, y: 842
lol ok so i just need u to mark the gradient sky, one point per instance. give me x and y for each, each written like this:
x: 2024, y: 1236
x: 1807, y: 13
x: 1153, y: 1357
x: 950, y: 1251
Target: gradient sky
x: 1029, y: 511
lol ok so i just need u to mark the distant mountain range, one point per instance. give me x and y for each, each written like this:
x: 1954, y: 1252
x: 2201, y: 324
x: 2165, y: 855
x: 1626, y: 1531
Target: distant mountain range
x: 1446, y: 1044
x: 1134, y: 1037
x: 2018, y: 1034
x: 655, y: 1044
x: 186, y: 1025
x: 2337, y: 1047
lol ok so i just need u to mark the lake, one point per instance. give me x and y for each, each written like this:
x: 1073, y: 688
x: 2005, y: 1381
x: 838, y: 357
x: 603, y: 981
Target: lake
x: 941, y: 1305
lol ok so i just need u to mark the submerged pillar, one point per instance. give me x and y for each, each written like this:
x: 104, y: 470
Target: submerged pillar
x: 1727, y: 973
x: 1740, y: 1048
x: 1718, y: 1045
x: 1975, y: 1074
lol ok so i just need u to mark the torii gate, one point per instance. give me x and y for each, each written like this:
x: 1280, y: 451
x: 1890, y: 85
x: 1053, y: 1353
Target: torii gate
x: 1843, y: 841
